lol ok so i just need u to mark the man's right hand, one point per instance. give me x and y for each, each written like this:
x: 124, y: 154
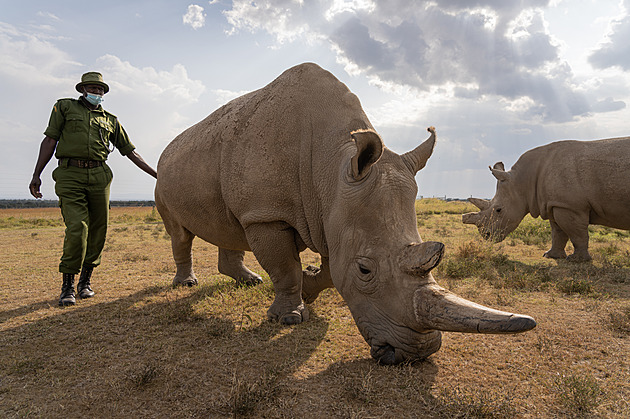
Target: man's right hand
x: 34, y: 186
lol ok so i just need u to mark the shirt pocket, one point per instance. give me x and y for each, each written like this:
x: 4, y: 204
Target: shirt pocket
x: 105, y: 131
x: 75, y: 122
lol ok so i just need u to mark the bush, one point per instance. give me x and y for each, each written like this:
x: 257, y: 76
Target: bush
x: 533, y: 231
x: 578, y: 394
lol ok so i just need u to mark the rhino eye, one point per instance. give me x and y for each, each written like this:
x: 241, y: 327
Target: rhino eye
x: 498, y: 209
x: 364, y: 270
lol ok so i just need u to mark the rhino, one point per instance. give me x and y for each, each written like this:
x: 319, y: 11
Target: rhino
x: 296, y: 165
x: 570, y: 183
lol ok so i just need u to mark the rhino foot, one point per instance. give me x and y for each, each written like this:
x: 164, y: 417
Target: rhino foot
x: 314, y: 281
x: 552, y: 254
x: 249, y: 281
x: 189, y: 281
x: 297, y: 316
x: 310, y: 288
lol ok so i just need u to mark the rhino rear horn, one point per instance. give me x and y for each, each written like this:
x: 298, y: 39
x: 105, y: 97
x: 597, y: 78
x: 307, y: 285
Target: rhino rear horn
x: 369, y: 151
x: 417, y: 158
x: 482, y: 204
x: 436, y: 308
x: 419, y: 258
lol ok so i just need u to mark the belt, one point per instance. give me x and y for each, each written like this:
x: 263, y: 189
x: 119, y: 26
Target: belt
x: 83, y: 164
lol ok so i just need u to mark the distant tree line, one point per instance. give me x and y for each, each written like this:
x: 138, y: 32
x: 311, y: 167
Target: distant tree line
x: 51, y: 203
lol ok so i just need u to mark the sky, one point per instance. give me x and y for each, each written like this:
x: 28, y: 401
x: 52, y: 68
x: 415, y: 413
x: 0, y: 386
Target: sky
x: 495, y: 77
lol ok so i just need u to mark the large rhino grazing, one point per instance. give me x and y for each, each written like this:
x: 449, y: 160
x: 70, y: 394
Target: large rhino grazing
x: 570, y: 183
x: 297, y: 164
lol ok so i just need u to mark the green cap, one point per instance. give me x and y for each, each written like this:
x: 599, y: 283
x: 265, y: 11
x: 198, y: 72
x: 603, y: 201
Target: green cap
x: 92, y: 77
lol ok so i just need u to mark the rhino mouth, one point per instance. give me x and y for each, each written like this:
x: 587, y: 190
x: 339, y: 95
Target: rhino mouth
x: 416, y: 347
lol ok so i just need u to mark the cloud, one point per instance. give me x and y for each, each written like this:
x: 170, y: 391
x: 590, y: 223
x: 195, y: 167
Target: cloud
x: 616, y: 51
x: 285, y: 19
x: 48, y: 15
x: 224, y: 96
x: 195, y: 17
x: 28, y: 57
x: 173, y: 86
x: 609, y: 105
x: 479, y: 47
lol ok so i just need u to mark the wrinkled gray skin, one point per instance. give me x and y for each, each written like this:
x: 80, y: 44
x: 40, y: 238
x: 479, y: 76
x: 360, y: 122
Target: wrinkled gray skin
x: 297, y: 164
x: 570, y: 183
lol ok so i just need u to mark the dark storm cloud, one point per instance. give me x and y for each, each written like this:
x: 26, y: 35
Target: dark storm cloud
x: 615, y: 52
x: 484, y: 47
x: 422, y: 45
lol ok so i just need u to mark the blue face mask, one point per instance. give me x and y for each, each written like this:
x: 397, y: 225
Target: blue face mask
x: 94, y: 99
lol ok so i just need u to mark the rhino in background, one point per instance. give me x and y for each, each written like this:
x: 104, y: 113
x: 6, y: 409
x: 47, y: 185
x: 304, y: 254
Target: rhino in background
x: 570, y: 183
x: 297, y: 164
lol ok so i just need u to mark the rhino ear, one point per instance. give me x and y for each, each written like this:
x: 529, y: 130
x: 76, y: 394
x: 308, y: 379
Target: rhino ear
x: 369, y: 150
x: 499, y: 166
x: 499, y: 171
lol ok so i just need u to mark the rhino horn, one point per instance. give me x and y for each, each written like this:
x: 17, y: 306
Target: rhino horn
x: 419, y: 258
x: 482, y: 204
x: 369, y: 151
x: 498, y: 170
x: 436, y: 308
x: 417, y: 158
x: 470, y: 218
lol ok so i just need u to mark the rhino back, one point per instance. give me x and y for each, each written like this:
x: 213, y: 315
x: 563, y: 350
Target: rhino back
x: 586, y: 176
x: 266, y: 156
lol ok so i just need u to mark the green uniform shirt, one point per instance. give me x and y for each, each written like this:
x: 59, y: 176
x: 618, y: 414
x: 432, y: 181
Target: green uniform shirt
x: 86, y: 134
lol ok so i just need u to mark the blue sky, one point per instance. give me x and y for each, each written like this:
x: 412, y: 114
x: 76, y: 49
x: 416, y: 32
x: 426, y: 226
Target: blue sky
x: 495, y: 77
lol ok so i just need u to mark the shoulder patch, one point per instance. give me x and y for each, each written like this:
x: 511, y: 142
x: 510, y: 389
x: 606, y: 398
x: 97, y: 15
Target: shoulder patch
x: 110, y: 114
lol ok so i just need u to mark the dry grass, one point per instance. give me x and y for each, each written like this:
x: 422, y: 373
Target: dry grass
x: 143, y: 349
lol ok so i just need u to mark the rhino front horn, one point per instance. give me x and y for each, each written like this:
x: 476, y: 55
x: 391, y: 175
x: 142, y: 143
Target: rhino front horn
x: 439, y: 309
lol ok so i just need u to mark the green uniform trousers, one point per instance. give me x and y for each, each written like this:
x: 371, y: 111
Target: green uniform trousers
x: 84, y: 201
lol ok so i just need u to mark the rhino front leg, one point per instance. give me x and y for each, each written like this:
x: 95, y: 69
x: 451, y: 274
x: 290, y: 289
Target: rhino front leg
x: 274, y: 245
x: 315, y: 280
x: 575, y: 225
x: 559, y: 241
x: 231, y: 264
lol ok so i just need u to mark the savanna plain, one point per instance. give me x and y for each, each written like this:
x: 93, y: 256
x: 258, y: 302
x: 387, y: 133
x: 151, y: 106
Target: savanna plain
x: 141, y: 348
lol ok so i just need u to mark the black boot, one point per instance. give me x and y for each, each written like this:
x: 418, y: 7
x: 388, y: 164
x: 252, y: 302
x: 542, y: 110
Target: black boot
x: 83, y: 287
x: 67, y: 291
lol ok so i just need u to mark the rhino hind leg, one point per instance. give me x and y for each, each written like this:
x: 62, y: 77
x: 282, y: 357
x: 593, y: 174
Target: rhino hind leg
x: 559, y: 241
x: 182, y: 253
x: 231, y: 264
x: 575, y: 225
x: 315, y: 280
x: 181, y: 244
x: 274, y: 245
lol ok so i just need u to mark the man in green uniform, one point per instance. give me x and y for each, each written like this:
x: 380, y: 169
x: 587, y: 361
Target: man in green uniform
x: 83, y: 134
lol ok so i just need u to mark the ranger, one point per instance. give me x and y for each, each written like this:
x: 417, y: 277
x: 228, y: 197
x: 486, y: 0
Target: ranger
x: 81, y: 134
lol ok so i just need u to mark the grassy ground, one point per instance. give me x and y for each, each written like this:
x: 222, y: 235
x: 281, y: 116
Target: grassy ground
x: 143, y: 349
